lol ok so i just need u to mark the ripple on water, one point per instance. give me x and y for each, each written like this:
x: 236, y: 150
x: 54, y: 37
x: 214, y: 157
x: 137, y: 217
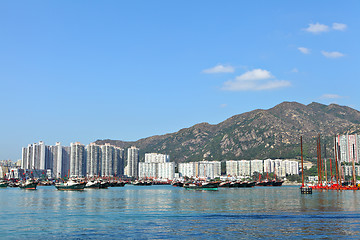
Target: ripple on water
x: 165, y: 212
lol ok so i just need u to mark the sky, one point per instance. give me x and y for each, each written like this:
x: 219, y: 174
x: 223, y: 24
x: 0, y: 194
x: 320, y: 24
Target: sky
x: 125, y: 70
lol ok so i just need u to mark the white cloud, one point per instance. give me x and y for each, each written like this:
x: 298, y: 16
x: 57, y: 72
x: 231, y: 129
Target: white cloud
x: 331, y: 96
x: 304, y: 50
x: 339, y: 26
x: 295, y: 70
x: 255, y: 80
x: 317, y: 28
x: 223, y: 105
x: 256, y: 74
x: 332, y: 54
x: 219, y: 69
x: 273, y: 85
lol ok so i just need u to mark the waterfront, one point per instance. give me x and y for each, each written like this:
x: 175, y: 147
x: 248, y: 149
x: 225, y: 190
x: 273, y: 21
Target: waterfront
x: 166, y: 212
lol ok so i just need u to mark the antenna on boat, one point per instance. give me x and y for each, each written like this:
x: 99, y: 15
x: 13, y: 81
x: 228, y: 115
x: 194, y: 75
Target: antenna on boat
x: 302, y: 163
x: 303, y: 189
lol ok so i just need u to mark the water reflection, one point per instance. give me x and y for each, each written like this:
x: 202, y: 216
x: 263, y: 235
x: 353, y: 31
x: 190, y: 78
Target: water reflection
x: 170, y: 212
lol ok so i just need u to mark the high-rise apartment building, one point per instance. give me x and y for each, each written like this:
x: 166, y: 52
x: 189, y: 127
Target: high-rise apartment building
x: 77, y: 160
x: 33, y: 157
x: 118, y: 167
x: 349, y: 147
x: 157, y: 166
x: 248, y: 167
x: 93, y: 160
x: 56, y: 153
x: 269, y: 165
x: 244, y: 168
x: 257, y: 166
x: 133, y: 162
x: 166, y: 170
x: 189, y: 169
x: 156, y: 158
x: 232, y: 168
x: 203, y: 169
x: 107, y: 160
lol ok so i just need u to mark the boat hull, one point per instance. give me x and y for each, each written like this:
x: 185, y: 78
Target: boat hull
x: 96, y: 186
x: 31, y: 186
x: 201, y: 188
x: 277, y: 183
x: 76, y: 187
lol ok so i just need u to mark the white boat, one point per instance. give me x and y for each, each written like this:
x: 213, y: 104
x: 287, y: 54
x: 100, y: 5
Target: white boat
x: 70, y: 185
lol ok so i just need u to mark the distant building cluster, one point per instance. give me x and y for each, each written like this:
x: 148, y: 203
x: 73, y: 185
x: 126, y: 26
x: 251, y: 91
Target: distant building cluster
x: 8, y: 169
x: 348, y: 170
x: 244, y: 168
x: 202, y: 169
x: 77, y: 160
x: 349, y: 147
x: 157, y: 166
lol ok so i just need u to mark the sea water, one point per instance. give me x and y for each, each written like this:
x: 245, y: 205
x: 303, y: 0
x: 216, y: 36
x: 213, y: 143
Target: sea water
x: 166, y: 212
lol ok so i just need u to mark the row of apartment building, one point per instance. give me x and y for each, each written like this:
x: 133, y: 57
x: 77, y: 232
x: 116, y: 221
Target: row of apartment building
x: 78, y: 160
x: 203, y: 169
x: 349, y: 147
x: 74, y: 160
x: 248, y: 167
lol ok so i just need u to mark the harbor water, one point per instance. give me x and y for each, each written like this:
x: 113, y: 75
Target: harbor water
x: 166, y: 212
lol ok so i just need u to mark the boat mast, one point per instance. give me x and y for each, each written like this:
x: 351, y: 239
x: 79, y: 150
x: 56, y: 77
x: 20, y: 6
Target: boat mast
x: 353, y: 166
x: 336, y: 162
x: 321, y: 174
x: 318, y: 162
x: 302, y: 163
x: 325, y: 160
x: 339, y: 162
x: 331, y: 175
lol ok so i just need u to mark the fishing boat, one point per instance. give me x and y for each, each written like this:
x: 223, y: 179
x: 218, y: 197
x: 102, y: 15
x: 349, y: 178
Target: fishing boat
x: 3, y: 184
x: 117, y: 184
x: 225, y: 184
x: 104, y: 184
x: 70, y: 185
x: 177, y: 184
x: 141, y: 183
x: 249, y: 184
x: 29, y: 184
x: 92, y: 184
x: 212, y: 186
x: 277, y: 183
x: 235, y: 184
x: 13, y: 184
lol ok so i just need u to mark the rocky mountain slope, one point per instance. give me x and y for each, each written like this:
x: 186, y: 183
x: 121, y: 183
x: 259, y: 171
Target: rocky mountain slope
x: 259, y: 134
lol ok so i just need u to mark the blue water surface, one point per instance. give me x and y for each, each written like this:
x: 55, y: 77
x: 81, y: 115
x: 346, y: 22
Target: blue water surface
x: 166, y: 212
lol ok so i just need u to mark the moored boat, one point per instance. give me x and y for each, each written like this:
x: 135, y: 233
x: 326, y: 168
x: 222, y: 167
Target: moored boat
x: 225, y: 184
x: 202, y: 186
x: 92, y: 184
x: 277, y: 183
x: 264, y: 183
x: 117, y: 184
x: 70, y: 185
x: 177, y: 184
x: 104, y: 184
x: 141, y: 183
x: 29, y: 184
x: 3, y: 184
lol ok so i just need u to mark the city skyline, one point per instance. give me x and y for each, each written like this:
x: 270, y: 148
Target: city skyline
x: 124, y: 70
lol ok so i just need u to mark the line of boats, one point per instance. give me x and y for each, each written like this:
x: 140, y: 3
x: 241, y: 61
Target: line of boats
x: 81, y: 184
x: 70, y: 184
x: 214, y: 185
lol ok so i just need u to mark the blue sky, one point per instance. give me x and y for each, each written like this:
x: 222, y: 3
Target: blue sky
x: 88, y: 70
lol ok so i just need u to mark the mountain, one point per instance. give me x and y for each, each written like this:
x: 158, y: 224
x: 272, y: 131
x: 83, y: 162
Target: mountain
x: 259, y: 134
